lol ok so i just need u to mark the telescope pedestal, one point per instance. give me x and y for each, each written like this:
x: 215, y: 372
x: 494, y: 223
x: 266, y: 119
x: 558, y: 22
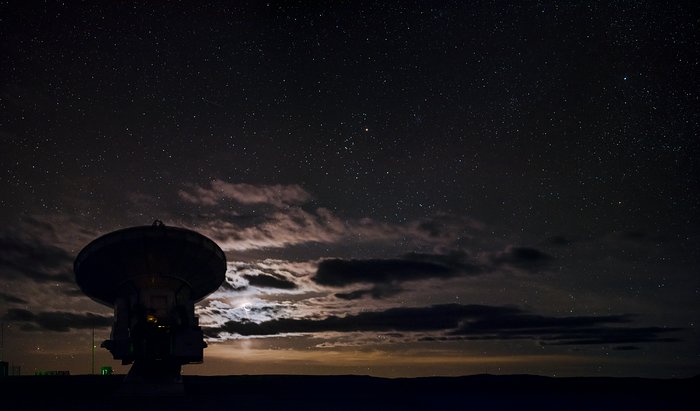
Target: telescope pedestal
x: 153, y: 379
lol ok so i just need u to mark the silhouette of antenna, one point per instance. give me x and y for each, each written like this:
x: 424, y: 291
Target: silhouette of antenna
x: 152, y: 276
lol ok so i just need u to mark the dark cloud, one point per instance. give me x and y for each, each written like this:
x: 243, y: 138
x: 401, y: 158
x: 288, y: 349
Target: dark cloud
x: 523, y: 258
x: 434, y: 228
x: 269, y: 281
x: 414, y: 266
x: 468, y: 322
x: 61, y: 321
x: 353, y: 295
x: 8, y: 298
x: 611, y: 335
x: 437, y: 317
x: 460, y: 262
x: 36, y: 261
x: 336, y: 272
x: 418, y: 266
x: 583, y: 330
x: 376, y: 292
x: 519, y: 321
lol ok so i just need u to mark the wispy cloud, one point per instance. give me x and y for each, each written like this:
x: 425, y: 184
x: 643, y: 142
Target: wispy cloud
x: 295, y: 225
x: 269, y: 274
x: 243, y: 217
x: 276, y: 230
x: 218, y: 191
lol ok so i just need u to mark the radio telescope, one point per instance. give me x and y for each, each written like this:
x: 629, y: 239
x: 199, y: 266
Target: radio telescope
x: 152, y: 276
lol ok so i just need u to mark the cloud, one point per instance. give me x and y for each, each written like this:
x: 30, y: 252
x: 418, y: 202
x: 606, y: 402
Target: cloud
x: 61, y: 321
x: 470, y: 322
x: 582, y: 330
x: 387, y: 274
x: 219, y: 190
x: 438, y: 317
x: 227, y: 286
x: 376, y: 292
x: 20, y: 258
x: 215, y: 313
x: 618, y: 335
x: 36, y: 225
x: 11, y: 299
x: 523, y: 258
x: 290, y: 222
x: 269, y: 281
x: 73, y: 292
x: 458, y: 261
x: 337, y: 272
x: 268, y: 274
x: 276, y: 230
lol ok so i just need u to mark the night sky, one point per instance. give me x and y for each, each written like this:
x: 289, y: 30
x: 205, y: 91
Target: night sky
x: 401, y: 188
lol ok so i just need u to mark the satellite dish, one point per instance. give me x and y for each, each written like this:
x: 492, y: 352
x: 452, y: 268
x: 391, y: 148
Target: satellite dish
x: 152, y: 276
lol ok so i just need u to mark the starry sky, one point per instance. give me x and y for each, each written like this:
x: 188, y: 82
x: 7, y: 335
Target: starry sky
x: 401, y: 188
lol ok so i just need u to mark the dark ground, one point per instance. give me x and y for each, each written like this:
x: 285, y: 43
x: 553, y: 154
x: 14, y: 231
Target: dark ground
x: 281, y: 392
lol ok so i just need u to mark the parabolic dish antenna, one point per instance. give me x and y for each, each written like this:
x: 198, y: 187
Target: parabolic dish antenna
x: 152, y: 276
